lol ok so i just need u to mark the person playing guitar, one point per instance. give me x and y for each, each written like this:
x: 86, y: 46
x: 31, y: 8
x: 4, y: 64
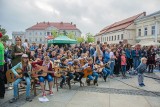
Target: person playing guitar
x: 64, y: 65
x: 94, y: 72
x: 78, y: 73
x: 26, y: 68
x: 105, y: 70
x: 46, y: 63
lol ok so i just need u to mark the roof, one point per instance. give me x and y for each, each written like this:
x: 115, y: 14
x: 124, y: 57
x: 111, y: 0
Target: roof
x: 157, y: 13
x: 121, y: 24
x: 58, y: 25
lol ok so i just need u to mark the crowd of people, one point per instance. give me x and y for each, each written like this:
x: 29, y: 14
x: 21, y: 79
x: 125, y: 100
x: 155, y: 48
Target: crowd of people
x: 105, y: 60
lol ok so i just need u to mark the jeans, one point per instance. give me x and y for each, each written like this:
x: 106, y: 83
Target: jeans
x: 106, y: 72
x: 94, y: 74
x: 112, y: 67
x: 15, y: 85
x: 136, y: 62
x: 140, y: 78
x: 63, y: 79
x: 123, y: 67
x: 48, y: 77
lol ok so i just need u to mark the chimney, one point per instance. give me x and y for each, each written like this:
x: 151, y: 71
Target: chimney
x: 144, y: 13
x: 75, y: 25
x: 48, y: 23
x: 44, y: 22
x: 61, y: 22
x: 71, y: 23
x: 37, y: 23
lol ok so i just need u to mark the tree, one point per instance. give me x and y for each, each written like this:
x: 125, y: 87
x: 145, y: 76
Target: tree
x: 89, y: 38
x: 4, y: 37
x: 54, y: 33
x: 80, y: 39
x: 71, y: 35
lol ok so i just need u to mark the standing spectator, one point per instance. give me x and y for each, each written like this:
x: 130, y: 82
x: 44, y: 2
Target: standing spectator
x: 136, y: 54
x: 2, y: 85
x: 123, y: 64
x: 17, y: 52
x: 151, y: 59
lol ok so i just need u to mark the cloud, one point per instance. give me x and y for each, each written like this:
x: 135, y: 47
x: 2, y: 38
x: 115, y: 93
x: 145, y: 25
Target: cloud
x: 88, y: 15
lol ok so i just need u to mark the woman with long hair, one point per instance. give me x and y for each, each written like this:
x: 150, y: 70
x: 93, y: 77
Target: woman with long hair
x: 17, y: 51
x: 25, y: 68
x: 97, y: 53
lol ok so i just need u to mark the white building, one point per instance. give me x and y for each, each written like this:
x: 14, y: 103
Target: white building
x: 148, y: 28
x: 119, y: 31
x: 38, y: 32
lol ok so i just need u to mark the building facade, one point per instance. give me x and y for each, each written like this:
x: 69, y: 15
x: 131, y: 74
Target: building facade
x: 38, y: 32
x: 119, y: 31
x: 148, y: 28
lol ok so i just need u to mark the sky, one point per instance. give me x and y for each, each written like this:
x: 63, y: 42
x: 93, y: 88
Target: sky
x: 88, y: 15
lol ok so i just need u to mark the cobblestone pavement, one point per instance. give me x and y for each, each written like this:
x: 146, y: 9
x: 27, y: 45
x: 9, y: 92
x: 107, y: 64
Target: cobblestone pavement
x: 65, y: 95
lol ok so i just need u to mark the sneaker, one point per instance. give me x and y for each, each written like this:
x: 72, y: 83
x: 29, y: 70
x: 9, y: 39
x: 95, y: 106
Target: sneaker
x: 50, y: 92
x: 13, y: 100
x: 43, y: 94
x: 143, y: 84
x: 28, y: 99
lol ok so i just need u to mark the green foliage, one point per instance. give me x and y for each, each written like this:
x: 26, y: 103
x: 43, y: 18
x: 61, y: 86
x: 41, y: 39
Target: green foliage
x: 89, y: 38
x: 54, y: 33
x: 5, y: 37
x: 71, y: 35
x: 80, y: 39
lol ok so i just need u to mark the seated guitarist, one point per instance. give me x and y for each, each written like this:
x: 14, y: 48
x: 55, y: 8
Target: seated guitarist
x: 26, y: 67
x: 105, y: 70
x: 49, y: 76
x: 94, y: 74
x: 78, y: 73
x: 64, y: 64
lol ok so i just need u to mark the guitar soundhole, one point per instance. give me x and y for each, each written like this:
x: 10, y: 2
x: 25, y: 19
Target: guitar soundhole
x: 11, y: 75
x: 40, y: 72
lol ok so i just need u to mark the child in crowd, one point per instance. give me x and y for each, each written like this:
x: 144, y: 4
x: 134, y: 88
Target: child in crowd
x: 141, y: 69
x: 123, y: 64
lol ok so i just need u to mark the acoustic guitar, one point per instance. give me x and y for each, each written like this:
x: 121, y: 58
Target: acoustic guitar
x: 40, y: 71
x: 11, y: 77
x: 87, y: 71
x: 58, y: 72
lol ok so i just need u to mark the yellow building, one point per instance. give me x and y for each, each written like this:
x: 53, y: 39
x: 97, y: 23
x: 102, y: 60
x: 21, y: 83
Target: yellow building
x: 119, y: 31
x: 148, y: 28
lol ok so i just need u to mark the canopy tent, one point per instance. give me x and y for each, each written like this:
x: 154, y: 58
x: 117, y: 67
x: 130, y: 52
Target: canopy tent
x: 62, y: 40
x: 149, y: 43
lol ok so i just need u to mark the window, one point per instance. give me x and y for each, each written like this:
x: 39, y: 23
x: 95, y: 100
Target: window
x: 44, y: 33
x: 35, y: 33
x: 153, y: 30
x: 115, y: 37
x: 112, y: 38
x: 48, y: 33
x: 40, y: 39
x: 121, y: 36
x: 118, y: 37
x: 145, y: 31
x: 139, y: 32
x: 40, y: 33
x: 35, y: 39
x: 30, y: 33
x: 107, y: 38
